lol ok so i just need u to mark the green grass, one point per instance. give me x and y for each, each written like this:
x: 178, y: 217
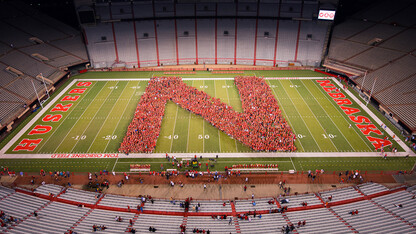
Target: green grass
x: 98, y: 120
x: 285, y: 164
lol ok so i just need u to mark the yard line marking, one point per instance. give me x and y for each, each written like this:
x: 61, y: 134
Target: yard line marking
x: 89, y: 123
x: 288, y: 119
x: 109, y: 113
x: 329, y: 116
x: 189, y: 125
x: 153, y: 162
x: 342, y: 114
x: 292, y: 163
x: 125, y: 108
x: 200, y: 78
x: 203, y: 129
x: 218, y: 130
x: 174, y: 126
x: 114, y: 165
x: 315, y: 116
x: 301, y: 116
x: 229, y: 103
x: 73, y: 107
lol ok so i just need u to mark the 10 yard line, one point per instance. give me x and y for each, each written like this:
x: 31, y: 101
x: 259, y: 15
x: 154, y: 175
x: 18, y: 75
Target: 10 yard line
x: 313, y: 114
x: 296, y: 108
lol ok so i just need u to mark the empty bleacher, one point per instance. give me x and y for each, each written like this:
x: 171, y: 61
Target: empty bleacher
x: 404, y: 198
x: 372, y: 188
x: 165, y: 224
x: 371, y: 219
x: 211, y: 206
x: 379, y: 40
x: 341, y: 194
x: 80, y: 196
x: 377, y: 215
x: 208, y: 223
x: 247, y: 205
x: 268, y: 223
x: 106, y: 218
x: 317, y: 221
x: 33, y: 43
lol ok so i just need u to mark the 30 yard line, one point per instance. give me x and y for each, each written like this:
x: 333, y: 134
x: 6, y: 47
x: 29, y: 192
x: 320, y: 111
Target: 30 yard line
x: 300, y: 116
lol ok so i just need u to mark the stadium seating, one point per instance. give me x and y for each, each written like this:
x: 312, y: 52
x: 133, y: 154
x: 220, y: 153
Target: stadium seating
x: 317, y: 221
x: 370, y: 219
x: 34, y: 44
x: 379, y: 42
x: 377, y: 214
x: 189, y: 40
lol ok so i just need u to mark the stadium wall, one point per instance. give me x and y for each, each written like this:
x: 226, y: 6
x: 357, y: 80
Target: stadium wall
x: 242, y: 33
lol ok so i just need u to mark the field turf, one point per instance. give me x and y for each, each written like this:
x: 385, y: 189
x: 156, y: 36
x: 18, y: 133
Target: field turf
x: 97, y: 122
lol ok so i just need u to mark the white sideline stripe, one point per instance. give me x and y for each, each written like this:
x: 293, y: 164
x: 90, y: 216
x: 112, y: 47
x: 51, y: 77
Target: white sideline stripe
x: 221, y: 155
x: 38, y: 115
x: 379, y: 122
x: 203, y: 78
x: 151, y: 162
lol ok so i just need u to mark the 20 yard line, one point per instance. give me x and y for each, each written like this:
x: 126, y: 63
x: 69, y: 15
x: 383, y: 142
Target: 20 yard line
x: 300, y: 116
x: 229, y: 103
x: 125, y: 108
x: 109, y: 113
x: 314, y: 115
x: 98, y: 110
x: 189, y: 126
x: 218, y: 130
x: 288, y: 119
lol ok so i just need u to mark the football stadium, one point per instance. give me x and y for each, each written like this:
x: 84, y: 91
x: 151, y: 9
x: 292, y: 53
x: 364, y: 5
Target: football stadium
x: 207, y: 116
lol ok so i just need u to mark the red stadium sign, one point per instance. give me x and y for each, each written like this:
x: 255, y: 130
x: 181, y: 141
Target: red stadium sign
x: 326, y: 15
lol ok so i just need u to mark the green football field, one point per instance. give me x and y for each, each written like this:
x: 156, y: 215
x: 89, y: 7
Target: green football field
x: 97, y: 121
